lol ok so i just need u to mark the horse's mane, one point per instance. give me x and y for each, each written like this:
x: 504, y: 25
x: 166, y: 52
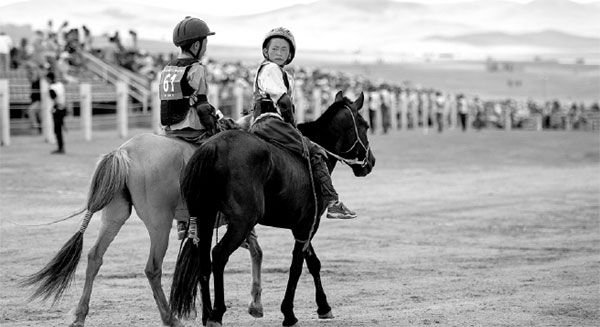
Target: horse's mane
x: 311, y: 128
x: 335, y: 107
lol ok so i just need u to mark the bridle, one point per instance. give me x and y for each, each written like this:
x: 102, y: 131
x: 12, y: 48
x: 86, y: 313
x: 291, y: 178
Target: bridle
x: 358, y: 141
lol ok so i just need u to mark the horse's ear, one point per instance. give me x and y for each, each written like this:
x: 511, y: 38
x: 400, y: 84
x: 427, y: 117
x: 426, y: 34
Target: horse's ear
x: 359, y: 101
x: 339, y: 97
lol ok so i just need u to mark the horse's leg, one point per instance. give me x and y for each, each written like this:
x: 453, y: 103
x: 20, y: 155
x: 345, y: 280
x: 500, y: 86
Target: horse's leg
x: 233, y: 238
x: 205, y: 270
x: 287, y: 306
x: 114, y: 216
x: 159, y: 229
x: 314, y: 267
x: 255, y: 309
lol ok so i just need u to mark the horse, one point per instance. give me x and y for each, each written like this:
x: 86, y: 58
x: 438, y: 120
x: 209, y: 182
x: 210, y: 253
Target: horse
x: 144, y: 173
x: 254, y: 182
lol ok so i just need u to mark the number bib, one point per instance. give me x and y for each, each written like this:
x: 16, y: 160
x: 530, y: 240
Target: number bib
x: 170, y: 83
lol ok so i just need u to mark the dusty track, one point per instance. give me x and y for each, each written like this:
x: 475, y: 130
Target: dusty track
x: 458, y: 229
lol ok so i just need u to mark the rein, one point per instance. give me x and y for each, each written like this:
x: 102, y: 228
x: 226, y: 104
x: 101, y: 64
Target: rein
x: 354, y: 161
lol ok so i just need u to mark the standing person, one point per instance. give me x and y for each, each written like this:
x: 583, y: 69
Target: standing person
x: 479, y: 112
x: 384, y: 99
x: 463, y: 111
x: 184, y: 109
x: 59, y: 110
x: 274, y: 114
x: 6, y: 45
x: 440, y: 104
x: 374, y: 106
x: 34, y: 74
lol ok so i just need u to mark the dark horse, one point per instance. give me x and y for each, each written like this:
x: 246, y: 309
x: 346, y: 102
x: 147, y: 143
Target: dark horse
x: 252, y: 181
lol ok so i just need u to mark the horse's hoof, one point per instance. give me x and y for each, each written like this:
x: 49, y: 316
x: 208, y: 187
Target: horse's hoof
x: 213, y: 324
x: 76, y: 324
x: 328, y: 315
x: 291, y: 323
x: 255, y: 311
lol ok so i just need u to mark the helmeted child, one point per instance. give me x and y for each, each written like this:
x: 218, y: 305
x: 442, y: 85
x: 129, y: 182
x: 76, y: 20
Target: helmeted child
x: 184, y: 108
x: 274, y: 113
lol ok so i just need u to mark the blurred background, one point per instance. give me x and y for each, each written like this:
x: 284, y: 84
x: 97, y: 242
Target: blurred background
x: 504, y: 64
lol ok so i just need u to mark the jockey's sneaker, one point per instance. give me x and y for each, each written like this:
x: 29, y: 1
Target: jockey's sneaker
x: 181, y: 230
x: 337, y: 210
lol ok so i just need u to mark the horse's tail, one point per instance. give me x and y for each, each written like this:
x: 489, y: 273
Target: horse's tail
x: 109, y: 178
x: 193, y: 263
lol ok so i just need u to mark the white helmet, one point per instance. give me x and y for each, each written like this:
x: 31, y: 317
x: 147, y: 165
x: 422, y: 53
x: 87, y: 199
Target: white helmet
x: 284, y: 33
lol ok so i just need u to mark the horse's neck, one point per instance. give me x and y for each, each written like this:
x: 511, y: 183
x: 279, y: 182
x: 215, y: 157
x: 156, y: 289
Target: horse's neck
x: 314, y: 132
x: 318, y: 134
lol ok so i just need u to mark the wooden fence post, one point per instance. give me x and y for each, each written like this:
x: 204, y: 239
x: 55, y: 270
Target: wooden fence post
x: 122, y: 114
x: 213, y: 95
x: 379, y: 117
x: 403, y: 100
x: 454, y: 113
x: 238, y: 92
x: 414, y: 109
x: 425, y: 117
x: 301, y: 105
x: 365, y: 110
x: 156, y: 127
x: 4, y: 112
x: 85, y: 98
x: 394, y: 109
x: 145, y: 101
x: 507, y: 119
x: 316, y: 112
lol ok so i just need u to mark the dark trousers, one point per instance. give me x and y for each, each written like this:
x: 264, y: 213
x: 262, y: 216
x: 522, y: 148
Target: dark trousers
x: 463, y: 121
x: 372, y: 120
x: 278, y: 132
x: 439, y: 118
x: 58, y: 116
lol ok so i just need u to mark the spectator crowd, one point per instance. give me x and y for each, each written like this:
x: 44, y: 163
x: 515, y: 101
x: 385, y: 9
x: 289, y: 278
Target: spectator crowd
x: 59, y: 50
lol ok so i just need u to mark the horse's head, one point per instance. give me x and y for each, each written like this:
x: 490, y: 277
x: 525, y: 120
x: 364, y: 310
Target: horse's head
x: 351, y: 130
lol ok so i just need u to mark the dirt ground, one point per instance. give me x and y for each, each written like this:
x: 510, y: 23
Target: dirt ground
x: 492, y: 228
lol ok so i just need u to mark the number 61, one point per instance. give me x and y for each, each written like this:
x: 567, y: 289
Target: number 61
x: 169, y: 80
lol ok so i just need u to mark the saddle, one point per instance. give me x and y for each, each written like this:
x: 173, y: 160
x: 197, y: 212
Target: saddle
x: 198, y: 137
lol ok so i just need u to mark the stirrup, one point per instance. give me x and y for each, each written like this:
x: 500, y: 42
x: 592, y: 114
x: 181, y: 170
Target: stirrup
x: 193, y: 231
x: 181, y: 230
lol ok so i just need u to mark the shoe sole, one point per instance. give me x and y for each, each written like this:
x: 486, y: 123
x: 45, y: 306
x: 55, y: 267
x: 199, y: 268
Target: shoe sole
x: 341, y: 216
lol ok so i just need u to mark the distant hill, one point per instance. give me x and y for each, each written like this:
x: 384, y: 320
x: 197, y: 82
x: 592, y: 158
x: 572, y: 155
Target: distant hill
x: 549, y: 39
x: 370, y: 28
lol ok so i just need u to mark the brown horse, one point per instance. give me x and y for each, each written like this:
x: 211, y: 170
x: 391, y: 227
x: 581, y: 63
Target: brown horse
x: 252, y: 181
x: 144, y: 173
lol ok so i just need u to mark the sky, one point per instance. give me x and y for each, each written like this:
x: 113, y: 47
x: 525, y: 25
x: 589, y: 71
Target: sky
x: 242, y: 7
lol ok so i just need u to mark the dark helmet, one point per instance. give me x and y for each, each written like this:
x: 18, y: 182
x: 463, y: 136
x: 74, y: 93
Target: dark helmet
x: 190, y: 30
x: 282, y: 33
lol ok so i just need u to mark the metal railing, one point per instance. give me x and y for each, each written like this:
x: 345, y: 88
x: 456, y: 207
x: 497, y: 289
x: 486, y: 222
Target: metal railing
x: 139, y: 87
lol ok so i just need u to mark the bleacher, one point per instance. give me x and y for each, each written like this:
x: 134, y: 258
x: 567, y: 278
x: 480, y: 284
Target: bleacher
x: 20, y: 88
x: 104, y: 97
